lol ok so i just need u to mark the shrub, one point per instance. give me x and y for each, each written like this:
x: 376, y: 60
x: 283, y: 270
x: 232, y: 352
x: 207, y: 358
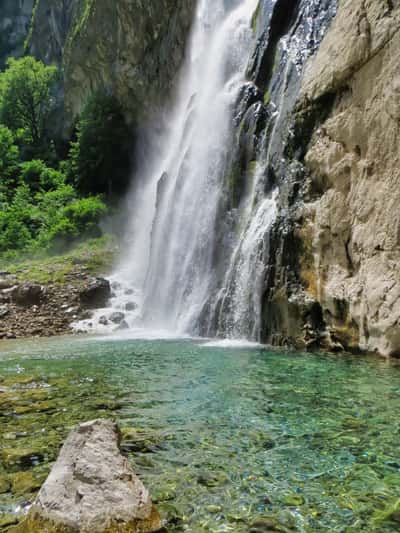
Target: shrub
x: 14, y: 235
x: 31, y: 172
x: 86, y: 214
x: 39, y: 177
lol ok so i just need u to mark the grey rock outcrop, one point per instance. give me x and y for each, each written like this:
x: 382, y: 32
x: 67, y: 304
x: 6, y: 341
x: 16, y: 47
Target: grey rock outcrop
x: 131, y: 49
x: 15, y: 16
x: 96, y: 294
x: 351, y: 218
x: 92, y: 488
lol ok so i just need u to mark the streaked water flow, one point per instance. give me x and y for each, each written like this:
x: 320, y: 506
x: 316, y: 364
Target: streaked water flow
x: 170, y: 259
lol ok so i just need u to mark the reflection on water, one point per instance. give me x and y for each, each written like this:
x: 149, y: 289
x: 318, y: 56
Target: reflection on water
x: 224, y: 437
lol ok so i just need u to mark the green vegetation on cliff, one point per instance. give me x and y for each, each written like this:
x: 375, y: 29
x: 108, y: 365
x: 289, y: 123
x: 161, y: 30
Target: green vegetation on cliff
x: 26, y: 101
x: 49, y: 203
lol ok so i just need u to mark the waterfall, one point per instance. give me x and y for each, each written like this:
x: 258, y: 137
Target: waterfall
x: 178, y: 221
x: 217, y: 182
x: 176, y: 210
x: 181, y: 270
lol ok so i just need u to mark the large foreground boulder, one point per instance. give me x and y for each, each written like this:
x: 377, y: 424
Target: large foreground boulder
x: 92, y: 488
x: 96, y: 294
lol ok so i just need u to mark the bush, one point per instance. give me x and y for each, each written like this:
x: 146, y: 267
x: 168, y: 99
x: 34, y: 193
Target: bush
x: 39, y: 177
x: 48, y: 220
x: 31, y: 172
x: 14, y: 235
x: 67, y: 219
x: 60, y: 236
x: 86, y: 213
x: 41, y: 207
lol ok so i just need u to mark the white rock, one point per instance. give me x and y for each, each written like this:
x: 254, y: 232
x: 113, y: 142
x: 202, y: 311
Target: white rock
x: 92, y: 488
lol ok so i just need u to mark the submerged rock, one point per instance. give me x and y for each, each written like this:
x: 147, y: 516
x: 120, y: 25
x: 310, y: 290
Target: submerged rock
x: 5, y: 485
x: 4, y: 311
x: 92, y: 488
x: 96, y: 294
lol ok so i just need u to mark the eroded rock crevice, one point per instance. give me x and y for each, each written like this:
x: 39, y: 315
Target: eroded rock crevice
x: 349, y: 222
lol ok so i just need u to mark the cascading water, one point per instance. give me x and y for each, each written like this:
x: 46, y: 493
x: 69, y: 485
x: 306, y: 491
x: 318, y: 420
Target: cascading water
x: 175, y: 208
x: 202, y: 210
x: 181, y: 270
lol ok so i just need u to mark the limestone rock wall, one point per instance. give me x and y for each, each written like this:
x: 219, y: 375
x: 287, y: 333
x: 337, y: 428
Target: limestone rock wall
x: 351, y: 221
x: 130, y: 48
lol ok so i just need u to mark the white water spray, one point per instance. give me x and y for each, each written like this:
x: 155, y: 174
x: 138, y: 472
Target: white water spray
x: 174, y: 207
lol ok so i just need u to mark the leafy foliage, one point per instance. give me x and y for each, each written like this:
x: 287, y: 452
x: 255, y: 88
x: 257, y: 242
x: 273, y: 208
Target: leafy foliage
x: 26, y: 99
x: 9, y: 159
x: 45, y: 203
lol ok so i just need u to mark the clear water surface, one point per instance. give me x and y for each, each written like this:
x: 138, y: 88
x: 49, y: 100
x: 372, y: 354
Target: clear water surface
x: 227, y: 438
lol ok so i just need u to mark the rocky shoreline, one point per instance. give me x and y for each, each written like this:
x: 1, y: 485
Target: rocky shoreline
x: 30, y: 309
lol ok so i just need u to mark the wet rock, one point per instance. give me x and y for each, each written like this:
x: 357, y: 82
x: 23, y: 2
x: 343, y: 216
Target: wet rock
x: 92, y: 488
x: 3, y: 311
x: 103, y: 320
x: 265, y: 525
x: 21, y: 457
x: 268, y: 524
x: 214, y: 479
x: 28, y: 294
x: 124, y: 325
x: 249, y: 94
x: 96, y: 294
x: 131, y: 306
x: 117, y: 317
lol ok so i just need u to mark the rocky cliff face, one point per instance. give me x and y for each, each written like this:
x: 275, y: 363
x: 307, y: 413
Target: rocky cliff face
x: 333, y: 275
x: 127, y: 47
x: 15, y: 16
x: 353, y: 161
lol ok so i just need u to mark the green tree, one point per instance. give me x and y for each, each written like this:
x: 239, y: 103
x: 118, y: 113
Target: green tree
x: 99, y: 158
x: 14, y: 235
x: 26, y: 98
x: 9, y: 159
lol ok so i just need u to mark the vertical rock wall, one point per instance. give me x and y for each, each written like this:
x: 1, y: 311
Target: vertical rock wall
x: 15, y: 17
x: 351, y: 217
x: 332, y: 278
x: 130, y: 48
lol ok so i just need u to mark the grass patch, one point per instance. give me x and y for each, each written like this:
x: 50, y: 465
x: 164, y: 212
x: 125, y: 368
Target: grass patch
x: 96, y: 256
